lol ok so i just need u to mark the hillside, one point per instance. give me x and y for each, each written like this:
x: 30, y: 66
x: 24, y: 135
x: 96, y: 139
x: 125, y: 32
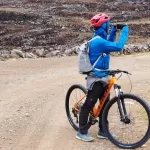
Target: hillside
x: 46, y: 27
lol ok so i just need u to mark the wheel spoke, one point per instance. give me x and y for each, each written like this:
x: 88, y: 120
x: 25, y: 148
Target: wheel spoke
x: 75, y: 95
x: 135, y: 129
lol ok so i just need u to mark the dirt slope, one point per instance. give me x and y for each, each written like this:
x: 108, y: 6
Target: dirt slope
x: 50, y: 24
x: 32, y: 111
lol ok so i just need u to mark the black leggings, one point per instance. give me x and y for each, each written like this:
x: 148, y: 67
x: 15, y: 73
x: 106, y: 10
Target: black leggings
x: 92, y: 97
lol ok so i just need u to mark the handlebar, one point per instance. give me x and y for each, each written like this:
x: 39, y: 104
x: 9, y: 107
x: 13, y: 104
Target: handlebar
x: 113, y: 72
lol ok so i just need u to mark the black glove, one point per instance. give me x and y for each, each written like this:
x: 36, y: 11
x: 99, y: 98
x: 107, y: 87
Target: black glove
x: 120, y: 26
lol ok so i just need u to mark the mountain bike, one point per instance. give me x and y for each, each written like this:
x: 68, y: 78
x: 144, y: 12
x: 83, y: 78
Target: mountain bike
x: 126, y: 117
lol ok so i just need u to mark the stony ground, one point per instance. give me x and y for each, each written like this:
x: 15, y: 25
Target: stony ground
x: 32, y: 101
x: 32, y: 112
x: 52, y: 26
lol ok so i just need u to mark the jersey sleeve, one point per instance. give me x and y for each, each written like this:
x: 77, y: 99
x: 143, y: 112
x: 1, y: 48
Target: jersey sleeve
x: 109, y: 46
x: 112, y: 35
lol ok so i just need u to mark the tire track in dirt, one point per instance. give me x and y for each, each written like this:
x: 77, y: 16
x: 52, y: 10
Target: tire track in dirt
x: 32, y: 106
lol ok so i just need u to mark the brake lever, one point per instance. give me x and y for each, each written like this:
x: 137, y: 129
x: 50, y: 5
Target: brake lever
x: 127, y: 72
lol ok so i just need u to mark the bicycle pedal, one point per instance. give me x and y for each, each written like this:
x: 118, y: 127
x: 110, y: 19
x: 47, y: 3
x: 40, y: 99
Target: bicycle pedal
x: 92, y: 120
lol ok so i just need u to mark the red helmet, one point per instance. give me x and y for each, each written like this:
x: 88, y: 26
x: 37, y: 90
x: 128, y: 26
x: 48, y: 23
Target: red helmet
x: 99, y: 19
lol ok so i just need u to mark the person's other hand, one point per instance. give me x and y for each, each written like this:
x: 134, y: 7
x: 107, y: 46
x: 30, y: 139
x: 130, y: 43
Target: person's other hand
x: 120, y: 26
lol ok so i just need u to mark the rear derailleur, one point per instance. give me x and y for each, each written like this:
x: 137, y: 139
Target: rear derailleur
x: 75, y: 112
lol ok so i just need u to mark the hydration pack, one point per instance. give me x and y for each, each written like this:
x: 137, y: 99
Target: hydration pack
x: 84, y: 64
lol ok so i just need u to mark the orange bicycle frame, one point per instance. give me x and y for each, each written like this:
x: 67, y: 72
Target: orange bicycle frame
x: 97, y: 111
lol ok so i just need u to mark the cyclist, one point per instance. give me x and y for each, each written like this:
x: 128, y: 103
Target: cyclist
x: 97, y: 80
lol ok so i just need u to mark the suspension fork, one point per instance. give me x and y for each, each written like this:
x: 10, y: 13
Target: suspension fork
x: 120, y: 102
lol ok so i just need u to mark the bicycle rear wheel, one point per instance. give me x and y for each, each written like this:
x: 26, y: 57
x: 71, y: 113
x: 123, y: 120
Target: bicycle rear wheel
x: 135, y: 131
x: 75, y: 98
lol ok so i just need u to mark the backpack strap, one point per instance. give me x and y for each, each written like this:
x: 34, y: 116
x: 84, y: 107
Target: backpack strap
x: 97, y: 60
x: 99, y: 56
x: 97, y: 36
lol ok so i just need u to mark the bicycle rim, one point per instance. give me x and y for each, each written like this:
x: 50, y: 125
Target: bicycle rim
x: 74, y: 95
x: 134, y: 133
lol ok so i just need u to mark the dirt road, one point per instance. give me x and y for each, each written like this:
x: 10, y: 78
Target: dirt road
x: 32, y: 110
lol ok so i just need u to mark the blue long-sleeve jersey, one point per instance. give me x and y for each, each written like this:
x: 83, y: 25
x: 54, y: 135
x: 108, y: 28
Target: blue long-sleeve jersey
x: 105, y: 45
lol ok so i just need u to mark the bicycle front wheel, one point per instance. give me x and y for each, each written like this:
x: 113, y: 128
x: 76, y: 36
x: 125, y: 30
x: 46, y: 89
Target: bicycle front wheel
x: 135, y: 130
x: 75, y: 98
